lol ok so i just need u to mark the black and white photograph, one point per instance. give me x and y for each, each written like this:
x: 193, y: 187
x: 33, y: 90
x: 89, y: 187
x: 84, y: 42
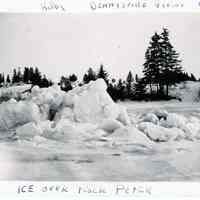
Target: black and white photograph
x: 100, y: 97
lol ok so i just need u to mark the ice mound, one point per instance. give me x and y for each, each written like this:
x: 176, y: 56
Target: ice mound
x: 83, y: 112
x: 169, y: 126
x: 49, y: 100
x: 28, y: 130
x: 13, y: 114
x: 187, y: 91
x: 15, y: 92
x: 150, y: 117
x: 174, y: 120
x: 92, y: 104
x: 130, y: 135
x: 160, y: 134
x: 161, y: 114
x: 110, y: 125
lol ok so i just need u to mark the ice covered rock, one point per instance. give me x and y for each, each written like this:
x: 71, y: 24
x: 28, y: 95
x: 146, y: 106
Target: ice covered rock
x: 67, y: 131
x: 160, y: 134
x: 60, y: 114
x: 174, y: 120
x: 161, y: 114
x: 123, y: 116
x: 48, y: 99
x: 110, y: 125
x: 28, y: 130
x: 91, y: 103
x: 130, y: 135
x: 14, y: 114
x: 150, y: 117
x: 39, y: 139
x: 65, y: 113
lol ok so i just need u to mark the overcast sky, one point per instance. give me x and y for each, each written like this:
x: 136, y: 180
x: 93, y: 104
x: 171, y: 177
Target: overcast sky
x: 61, y: 44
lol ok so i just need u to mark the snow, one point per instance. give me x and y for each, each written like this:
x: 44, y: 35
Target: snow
x: 174, y: 120
x: 93, y: 104
x: 187, y: 91
x: 14, y: 92
x: 13, y: 114
x: 84, y: 135
x: 28, y: 130
x: 110, y: 125
x: 130, y: 135
x: 159, y: 133
x: 150, y: 117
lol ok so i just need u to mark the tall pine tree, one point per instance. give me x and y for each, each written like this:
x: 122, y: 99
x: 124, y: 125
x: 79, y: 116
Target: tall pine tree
x: 129, y: 84
x: 152, y: 65
x: 171, y: 68
x: 103, y: 74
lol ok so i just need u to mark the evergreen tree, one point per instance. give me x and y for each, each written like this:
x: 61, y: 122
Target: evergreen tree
x: 65, y: 84
x: 121, y: 90
x: 73, y: 78
x: 26, y: 75
x: 153, y: 62
x: 192, y: 77
x: 171, y: 68
x: 31, y: 75
x: 44, y: 82
x: 162, y: 66
x: 136, y: 78
x: 8, y: 79
x: 129, y: 85
x: 140, y: 89
x: 37, y: 77
x: 89, y: 76
x: 103, y: 74
x: 14, y: 77
x: 1, y: 79
x: 19, y: 77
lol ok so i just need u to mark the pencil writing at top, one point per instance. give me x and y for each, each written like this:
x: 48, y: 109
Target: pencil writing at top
x: 52, y: 6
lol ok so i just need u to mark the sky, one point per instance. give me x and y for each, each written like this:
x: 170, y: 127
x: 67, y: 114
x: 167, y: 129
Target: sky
x: 61, y: 44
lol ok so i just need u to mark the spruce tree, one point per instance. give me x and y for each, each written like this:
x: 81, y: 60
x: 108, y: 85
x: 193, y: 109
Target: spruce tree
x: 8, y: 79
x: 19, y: 76
x: 121, y: 90
x: 1, y: 79
x: 103, y: 74
x: 89, y: 76
x: 139, y: 89
x: 192, y: 77
x: 129, y: 85
x: 14, y: 77
x: 26, y: 75
x: 171, y: 68
x: 73, y: 78
x: 152, y: 63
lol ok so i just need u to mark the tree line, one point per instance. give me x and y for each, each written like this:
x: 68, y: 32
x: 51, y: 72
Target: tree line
x: 162, y: 68
x: 29, y: 75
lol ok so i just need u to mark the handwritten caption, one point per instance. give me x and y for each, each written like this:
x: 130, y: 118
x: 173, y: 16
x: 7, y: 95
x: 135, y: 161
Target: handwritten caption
x: 95, y: 5
x: 136, y: 4
x: 52, y: 5
x: 119, y: 189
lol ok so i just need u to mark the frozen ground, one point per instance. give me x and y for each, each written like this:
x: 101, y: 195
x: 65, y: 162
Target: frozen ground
x: 97, y: 160
x: 90, y: 138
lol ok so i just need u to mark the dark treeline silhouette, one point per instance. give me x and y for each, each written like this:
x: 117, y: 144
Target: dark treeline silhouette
x: 162, y: 69
x: 29, y: 75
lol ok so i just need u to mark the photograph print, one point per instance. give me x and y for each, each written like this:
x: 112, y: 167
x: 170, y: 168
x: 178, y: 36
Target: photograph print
x: 100, y: 97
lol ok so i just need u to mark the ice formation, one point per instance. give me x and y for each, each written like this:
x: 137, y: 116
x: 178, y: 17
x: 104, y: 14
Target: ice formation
x: 88, y: 112
x: 53, y: 113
